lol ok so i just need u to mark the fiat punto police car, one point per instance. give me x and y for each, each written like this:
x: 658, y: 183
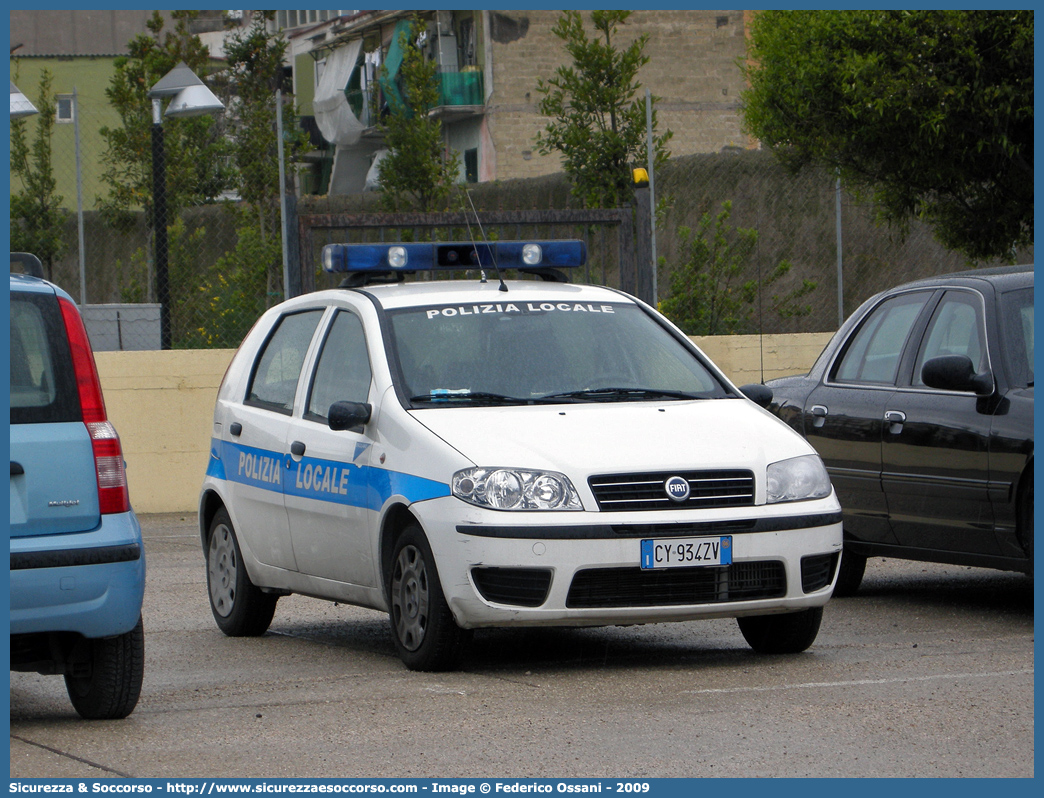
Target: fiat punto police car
x: 479, y: 453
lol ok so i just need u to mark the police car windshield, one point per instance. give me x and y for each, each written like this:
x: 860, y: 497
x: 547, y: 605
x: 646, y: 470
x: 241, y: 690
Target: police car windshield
x: 542, y: 352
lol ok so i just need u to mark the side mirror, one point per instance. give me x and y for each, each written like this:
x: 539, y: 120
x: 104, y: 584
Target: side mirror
x: 956, y: 373
x: 757, y: 393
x: 349, y: 415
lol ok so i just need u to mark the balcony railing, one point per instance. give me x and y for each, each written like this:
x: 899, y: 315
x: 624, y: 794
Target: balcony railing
x: 462, y: 88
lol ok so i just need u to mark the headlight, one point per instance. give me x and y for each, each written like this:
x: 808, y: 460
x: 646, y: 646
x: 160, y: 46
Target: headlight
x: 515, y: 489
x: 797, y: 479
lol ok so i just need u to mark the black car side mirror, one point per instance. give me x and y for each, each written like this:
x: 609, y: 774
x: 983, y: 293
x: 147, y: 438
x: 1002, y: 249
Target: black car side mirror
x: 349, y: 415
x: 956, y: 373
x: 759, y: 394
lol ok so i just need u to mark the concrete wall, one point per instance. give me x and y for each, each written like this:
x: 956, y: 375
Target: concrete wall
x: 162, y: 405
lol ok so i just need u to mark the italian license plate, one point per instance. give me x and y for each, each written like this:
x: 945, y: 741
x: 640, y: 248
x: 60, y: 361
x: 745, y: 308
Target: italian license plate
x: 686, y: 552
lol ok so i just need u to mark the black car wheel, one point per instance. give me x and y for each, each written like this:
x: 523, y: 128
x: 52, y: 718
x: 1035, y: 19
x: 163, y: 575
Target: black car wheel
x: 426, y: 636
x: 790, y: 633
x: 849, y: 574
x: 240, y: 608
x: 105, y: 675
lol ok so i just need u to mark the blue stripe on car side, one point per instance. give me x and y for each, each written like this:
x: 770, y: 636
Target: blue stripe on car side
x: 216, y: 466
x: 314, y: 478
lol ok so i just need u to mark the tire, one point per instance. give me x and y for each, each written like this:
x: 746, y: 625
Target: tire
x: 239, y: 607
x: 849, y: 574
x: 107, y: 675
x: 426, y: 636
x: 790, y: 633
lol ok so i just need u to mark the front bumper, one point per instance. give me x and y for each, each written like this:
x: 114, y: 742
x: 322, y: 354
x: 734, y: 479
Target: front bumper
x: 583, y: 569
x: 92, y: 583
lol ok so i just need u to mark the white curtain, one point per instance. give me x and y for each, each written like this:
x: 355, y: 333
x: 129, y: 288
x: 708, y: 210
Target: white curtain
x: 333, y: 115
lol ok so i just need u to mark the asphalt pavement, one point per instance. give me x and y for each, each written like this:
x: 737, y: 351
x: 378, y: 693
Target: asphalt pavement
x: 928, y: 672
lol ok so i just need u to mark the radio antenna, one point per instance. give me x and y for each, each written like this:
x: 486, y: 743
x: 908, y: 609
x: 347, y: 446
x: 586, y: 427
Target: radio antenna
x: 485, y: 240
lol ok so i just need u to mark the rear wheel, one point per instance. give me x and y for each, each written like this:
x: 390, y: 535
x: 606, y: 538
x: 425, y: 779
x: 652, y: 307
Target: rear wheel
x: 105, y: 680
x: 426, y: 636
x: 240, y: 608
x: 849, y: 574
x: 790, y: 633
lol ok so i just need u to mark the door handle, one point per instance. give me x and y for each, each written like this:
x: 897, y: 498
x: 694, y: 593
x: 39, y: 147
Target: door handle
x: 16, y: 468
x: 894, y: 419
x: 297, y: 448
x: 236, y: 429
x: 819, y: 414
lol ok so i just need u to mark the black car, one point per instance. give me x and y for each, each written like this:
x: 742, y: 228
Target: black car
x: 921, y: 406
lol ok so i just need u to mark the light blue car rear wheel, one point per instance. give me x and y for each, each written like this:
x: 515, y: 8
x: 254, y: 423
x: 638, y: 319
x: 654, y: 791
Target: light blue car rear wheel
x: 106, y: 674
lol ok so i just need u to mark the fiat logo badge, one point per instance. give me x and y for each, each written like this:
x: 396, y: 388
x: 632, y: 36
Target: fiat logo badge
x: 676, y: 488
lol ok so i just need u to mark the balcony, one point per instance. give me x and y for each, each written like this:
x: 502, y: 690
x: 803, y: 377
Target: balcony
x: 461, y: 94
x: 462, y: 88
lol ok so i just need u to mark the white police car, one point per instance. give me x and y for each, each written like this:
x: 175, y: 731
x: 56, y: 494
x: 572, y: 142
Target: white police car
x: 466, y: 454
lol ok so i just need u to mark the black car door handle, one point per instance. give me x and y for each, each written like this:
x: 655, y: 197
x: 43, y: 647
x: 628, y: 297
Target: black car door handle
x: 235, y: 429
x: 16, y: 468
x: 297, y: 448
x: 894, y: 419
x: 819, y: 414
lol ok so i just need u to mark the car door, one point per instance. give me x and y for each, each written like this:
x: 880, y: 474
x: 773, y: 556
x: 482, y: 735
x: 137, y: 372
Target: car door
x: 327, y: 487
x: 935, y: 454
x: 254, y: 435
x: 844, y: 415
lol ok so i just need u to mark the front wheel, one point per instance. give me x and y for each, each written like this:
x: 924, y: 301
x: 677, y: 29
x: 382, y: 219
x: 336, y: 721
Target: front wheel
x: 240, y: 608
x: 849, y: 574
x: 426, y: 636
x: 106, y: 675
x: 790, y: 633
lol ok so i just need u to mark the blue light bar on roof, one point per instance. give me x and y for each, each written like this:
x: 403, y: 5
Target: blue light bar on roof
x: 556, y: 254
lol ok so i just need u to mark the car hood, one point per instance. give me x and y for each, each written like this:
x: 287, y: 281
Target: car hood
x: 584, y: 439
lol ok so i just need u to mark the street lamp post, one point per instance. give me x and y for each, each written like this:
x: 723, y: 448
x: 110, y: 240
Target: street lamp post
x: 20, y: 104
x: 191, y: 97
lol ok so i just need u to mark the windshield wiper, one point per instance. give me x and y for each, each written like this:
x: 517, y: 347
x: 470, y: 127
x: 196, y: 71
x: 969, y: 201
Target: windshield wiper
x: 437, y: 397
x: 609, y: 394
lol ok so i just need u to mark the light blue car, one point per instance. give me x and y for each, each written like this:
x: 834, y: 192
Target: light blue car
x: 77, y: 562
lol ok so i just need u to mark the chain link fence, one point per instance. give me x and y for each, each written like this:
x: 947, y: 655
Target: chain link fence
x: 801, y: 220
x: 225, y: 255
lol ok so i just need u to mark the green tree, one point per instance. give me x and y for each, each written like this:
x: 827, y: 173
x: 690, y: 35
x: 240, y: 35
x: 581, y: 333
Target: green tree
x: 417, y: 173
x: 37, y: 216
x: 195, y: 149
x: 929, y: 114
x: 598, y: 123
x: 255, y: 71
x: 707, y: 293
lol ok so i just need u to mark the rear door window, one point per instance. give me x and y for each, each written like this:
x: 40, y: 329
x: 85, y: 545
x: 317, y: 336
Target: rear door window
x: 43, y: 388
x: 278, y: 369
x: 873, y: 353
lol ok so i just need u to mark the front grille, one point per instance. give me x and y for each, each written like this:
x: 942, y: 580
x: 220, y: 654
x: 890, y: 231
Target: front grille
x: 707, y: 489
x: 635, y: 587
x: 817, y: 571
x: 523, y: 587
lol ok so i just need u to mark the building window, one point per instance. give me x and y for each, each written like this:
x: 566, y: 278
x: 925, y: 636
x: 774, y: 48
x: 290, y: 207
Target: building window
x: 64, y: 109
x: 471, y: 166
